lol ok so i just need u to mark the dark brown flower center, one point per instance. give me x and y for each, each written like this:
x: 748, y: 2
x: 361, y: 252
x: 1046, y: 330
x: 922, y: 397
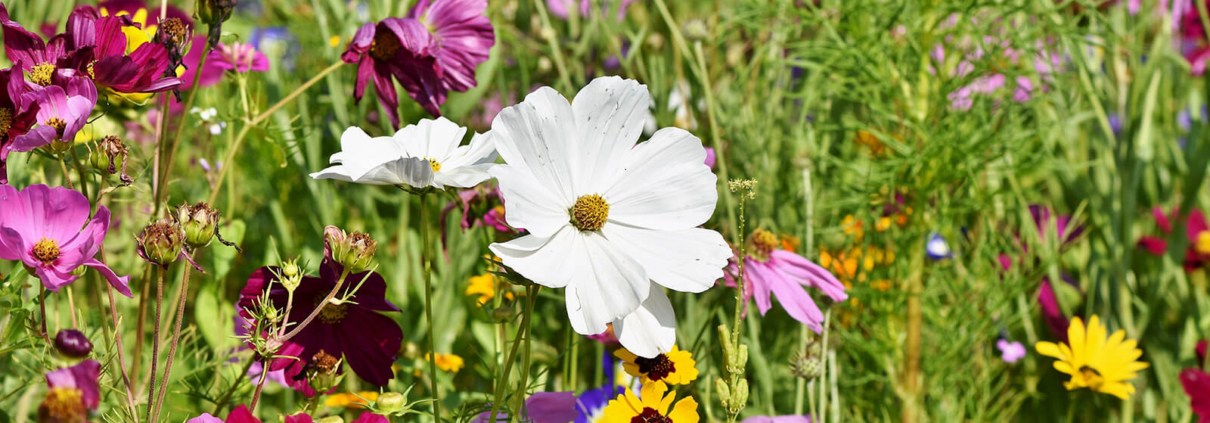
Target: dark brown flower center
x: 590, y: 212
x: 650, y: 415
x: 656, y: 368
x: 385, y: 45
x: 174, y: 30
x: 41, y: 74
x: 63, y: 405
x: 46, y: 251
x: 332, y: 313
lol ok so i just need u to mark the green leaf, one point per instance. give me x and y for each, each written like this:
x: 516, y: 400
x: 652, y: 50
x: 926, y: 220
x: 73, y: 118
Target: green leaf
x: 213, y: 315
x: 223, y: 255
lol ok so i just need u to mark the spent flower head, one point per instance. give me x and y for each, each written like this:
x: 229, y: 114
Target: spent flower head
x: 354, y: 251
x: 110, y: 152
x: 161, y: 242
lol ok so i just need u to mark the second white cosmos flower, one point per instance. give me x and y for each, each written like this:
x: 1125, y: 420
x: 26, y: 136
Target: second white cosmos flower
x: 609, y: 220
x: 426, y: 154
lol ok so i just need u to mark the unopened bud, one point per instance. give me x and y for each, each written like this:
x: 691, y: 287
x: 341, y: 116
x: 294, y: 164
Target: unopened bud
x: 740, y: 399
x: 390, y: 402
x: 161, y: 242
x: 291, y: 275
x: 72, y: 343
x: 695, y: 30
x: 110, y: 152
x: 199, y: 222
x: 502, y: 314
x: 723, y: 392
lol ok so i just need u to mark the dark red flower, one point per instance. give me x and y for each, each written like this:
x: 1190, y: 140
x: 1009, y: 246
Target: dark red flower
x: 354, y: 329
x: 1197, y: 386
x: 14, y: 121
x: 399, y: 48
x: 101, y: 53
x: 1197, y: 232
x: 463, y: 36
x: 241, y: 414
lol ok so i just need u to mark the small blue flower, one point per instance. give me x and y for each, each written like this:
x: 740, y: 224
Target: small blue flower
x: 277, y: 42
x: 937, y: 248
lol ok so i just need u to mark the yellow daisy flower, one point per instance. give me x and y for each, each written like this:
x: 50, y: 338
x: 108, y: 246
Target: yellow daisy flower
x: 447, y: 362
x: 484, y: 286
x: 347, y: 399
x: 675, y: 367
x: 1094, y: 361
x: 653, y: 407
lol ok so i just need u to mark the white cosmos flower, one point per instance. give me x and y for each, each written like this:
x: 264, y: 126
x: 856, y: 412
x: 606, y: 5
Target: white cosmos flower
x: 422, y: 155
x: 611, y: 221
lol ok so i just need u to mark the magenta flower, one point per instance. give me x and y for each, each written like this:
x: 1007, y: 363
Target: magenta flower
x: 205, y: 418
x: 1197, y: 385
x: 29, y: 53
x: 40, y: 226
x: 771, y: 269
x: 541, y: 407
x: 355, y: 328
x: 101, y: 46
x: 399, y: 48
x: 237, y: 57
x: 1197, y: 232
x: 60, y: 113
x: 1052, y: 313
x: 14, y: 121
x: 241, y: 414
x: 462, y: 35
x: 73, y: 391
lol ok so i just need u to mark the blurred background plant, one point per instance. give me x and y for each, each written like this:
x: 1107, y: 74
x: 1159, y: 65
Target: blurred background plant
x: 873, y: 127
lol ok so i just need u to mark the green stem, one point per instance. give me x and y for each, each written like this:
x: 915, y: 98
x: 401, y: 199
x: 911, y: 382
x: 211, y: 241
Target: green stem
x: 318, y: 308
x: 239, y: 139
x: 428, y: 303
x: 180, y: 125
x: 155, y: 339
x: 222, y: 402
x: 523, y: 388
x: 508, y: 362
x: 176, y: 337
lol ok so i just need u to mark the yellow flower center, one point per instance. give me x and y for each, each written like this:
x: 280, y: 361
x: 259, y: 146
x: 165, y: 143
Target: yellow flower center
x: 46, y: 251
x: 63, y: 405
x: 91, y: 74
x: 764, y: 242
x: 1092, y: 377
x: 435, y: 165
x: 6, y: 120
x: 589, y: 212
x: 58, y: 124
x: 333, y: 313
x: 41, y: 74
x: 384, y: 46
x: 1202, y: 246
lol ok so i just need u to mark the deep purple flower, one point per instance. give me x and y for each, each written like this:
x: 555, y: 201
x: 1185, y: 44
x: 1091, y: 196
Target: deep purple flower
x: 14, y: 120
x: 399, y: 48
x: 71, y: 392
x: 40, y: 226
x: 462, y: 35
x: 72, y: 343
x: 541, y: 407
x: 355, y: 329
x: 591, y: 403
x: 102, y: 46
x: 60, y: 113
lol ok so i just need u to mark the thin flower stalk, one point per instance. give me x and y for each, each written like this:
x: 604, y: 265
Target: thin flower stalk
x: 155, y: 339
x: 176, y: 337
x: 522, y: 332
x: 344, y: 274
x: 428, y: 303
x: 180, y: 124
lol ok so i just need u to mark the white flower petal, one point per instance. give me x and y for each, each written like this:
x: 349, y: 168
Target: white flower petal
x: 361, y: 154
x: 610, y: 288
x: 337, y: 172
x: 687, y: 260
x: 430, y: 138
x: 651, y: 329
x: 530, y: 203
x: 610, y: 114
x: 410, y: 171
x: 462, y: 177
x: 536, y: 137
x: 481, y: 150
x: 665, y: 184
x: 549, y: 262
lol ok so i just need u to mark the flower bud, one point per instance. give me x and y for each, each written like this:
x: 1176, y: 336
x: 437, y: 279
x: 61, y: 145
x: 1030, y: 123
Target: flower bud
x: 740, y: 397
x: 161, y: 242
x: 723, y: 392
x: 695, y: 30
x: 79, y: 271
x: 390, y: 402
x: 291, y: 275
x: 199, y: 222
x: 72, y: 343
x: 214, y: 13
x: 109, y: 153
x: 323, y: 372
x: 353, y: 251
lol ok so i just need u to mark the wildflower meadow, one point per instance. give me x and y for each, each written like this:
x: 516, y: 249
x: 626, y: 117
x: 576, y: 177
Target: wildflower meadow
x: 604, y: 211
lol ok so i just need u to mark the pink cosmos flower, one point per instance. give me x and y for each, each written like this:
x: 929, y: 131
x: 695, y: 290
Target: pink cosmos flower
x: 18, y: 120
x: 462, y: 38
x: 75, y: 383
x: 1197, y: 385
x: 241, y: 414
x: 30, y: 53
x: 1197, y: 232
x: 237, y: 57
x: 771, y: 269
x: 40, y: 226
x: 60, y: 113
x: 402, y: 49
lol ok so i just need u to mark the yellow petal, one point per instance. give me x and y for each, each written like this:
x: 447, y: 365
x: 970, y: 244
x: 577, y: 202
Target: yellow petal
x: 625, y: 355
x: 1049, y: 349
x: 685, y: 411
x: 653, y: 393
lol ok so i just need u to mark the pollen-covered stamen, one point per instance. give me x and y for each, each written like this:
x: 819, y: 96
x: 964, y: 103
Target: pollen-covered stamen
x: 332, y: 313
x: 436, y: 165
x: 763, y: 242
x: 46, y: 251
x: 590, y: 212
x: 656, y: 368
x: 1092, y: 377
x: 325, y: 363
x: 650, y: 415
x: 59, y: 125
x: 172, y: 31
x: 41, y: 74
x: 6, y: 120
x: 63, y: 405
x: 385, y: 45
x: 91, y: 73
